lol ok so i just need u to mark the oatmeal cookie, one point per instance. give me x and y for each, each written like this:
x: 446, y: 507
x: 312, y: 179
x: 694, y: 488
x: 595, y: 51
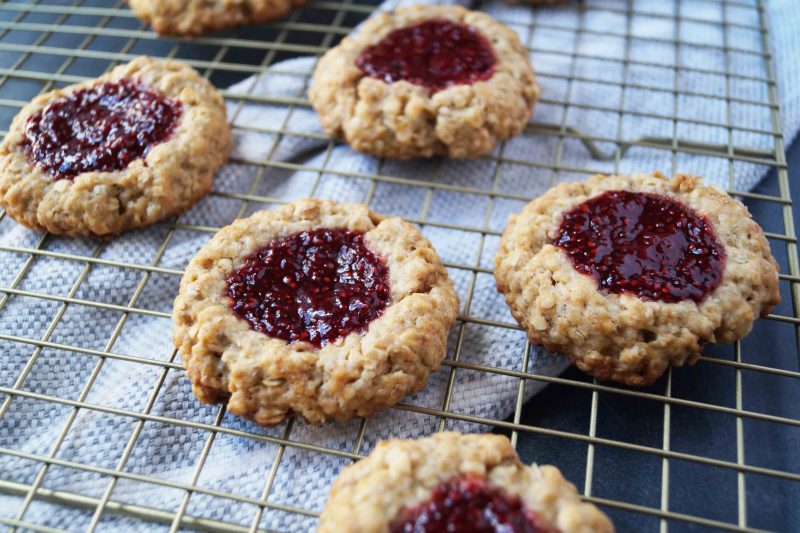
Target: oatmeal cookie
x: 466, y: 482
x: 319, y: 309
x: 198, y: 17
x: 131, y: 147
x: 629, y: 274
x: 462, y: 83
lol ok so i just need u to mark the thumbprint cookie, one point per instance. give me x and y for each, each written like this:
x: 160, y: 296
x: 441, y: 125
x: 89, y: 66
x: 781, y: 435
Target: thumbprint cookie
x: 199, y: 17
x: 627, y: 275
x: 424, y: 81
x: 317, y: 309
x: 454, y: 482
x: 127, y: 149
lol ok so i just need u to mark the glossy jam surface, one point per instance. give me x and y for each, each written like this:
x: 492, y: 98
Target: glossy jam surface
x: 436, y: 54
x: 314, y: 286
x: 102, y: 128
x: 468, y: 504
x: 644, y: 244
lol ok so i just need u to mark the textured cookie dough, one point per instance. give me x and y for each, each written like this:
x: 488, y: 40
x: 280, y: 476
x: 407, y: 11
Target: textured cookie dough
x: 172, y: 177
x: 402, y: 119
x: 267, y: 379
x: 399, y: 474
x: 198, y: 17
x: 622, y: 337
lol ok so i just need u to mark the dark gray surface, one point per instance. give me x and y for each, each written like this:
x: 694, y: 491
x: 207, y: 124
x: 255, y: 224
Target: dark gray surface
x: 694, y: 489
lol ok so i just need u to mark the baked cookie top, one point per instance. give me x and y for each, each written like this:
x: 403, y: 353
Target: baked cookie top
x: 320, y: 309
x: 453, y: 479
x: 133, y: 146
x: 198, y: 17
x: 629, y: 274
x: 424, y: 81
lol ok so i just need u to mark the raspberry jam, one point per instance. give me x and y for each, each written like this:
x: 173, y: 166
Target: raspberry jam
x: 102, y: 128
x: 436, y: 54
x: 643, y: 244
x: 313, y: 286
x: 469, y: 504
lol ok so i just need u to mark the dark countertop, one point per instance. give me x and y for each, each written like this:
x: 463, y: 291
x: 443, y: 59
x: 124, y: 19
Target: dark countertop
x: 695, y: 489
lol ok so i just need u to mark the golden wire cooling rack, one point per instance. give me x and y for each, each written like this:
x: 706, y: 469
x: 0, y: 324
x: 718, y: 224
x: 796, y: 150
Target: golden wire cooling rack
x: 710, y: 447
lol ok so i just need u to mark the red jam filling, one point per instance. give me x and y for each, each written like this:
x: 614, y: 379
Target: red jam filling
x: 313, y: 286
x: 436, y: 54
x: 643, y: 244
x: 469, y: 504
x: 102, y: 128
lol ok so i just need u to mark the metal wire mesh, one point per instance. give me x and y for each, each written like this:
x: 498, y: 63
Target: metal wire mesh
x: 45, y: 44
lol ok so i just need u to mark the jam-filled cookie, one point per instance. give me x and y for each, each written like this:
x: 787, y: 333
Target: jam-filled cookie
x: 629, y: 274
x: 136, y: 145
x: 319, y: 309
x: 198, y: 17
x: 455, y: 482
x: 425, y: 81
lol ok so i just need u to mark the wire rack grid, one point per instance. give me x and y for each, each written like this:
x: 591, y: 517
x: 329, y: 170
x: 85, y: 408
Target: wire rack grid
x: 646, y: 475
